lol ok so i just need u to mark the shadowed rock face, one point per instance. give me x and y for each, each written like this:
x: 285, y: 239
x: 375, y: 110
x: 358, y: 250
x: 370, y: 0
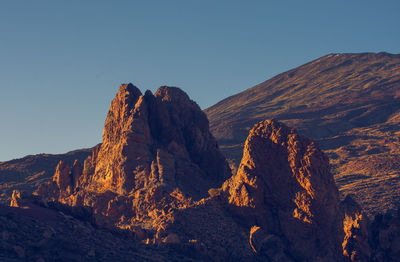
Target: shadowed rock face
x: 284, y: 181
x: 384, y: 237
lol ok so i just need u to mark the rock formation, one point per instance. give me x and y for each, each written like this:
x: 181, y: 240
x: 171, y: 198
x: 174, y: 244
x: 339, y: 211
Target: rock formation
x: 154, y: 147
x: 157, y: 139
x: 355, y: 224
x: 16, y: 199
x: 159, y: 174
x: 284, y: 186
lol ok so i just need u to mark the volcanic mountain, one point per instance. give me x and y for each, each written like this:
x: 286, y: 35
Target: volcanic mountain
x: 348, y: 103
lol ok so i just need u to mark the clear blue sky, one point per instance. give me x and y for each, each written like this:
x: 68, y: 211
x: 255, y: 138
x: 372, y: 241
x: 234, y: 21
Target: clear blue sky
x: 61, y: 62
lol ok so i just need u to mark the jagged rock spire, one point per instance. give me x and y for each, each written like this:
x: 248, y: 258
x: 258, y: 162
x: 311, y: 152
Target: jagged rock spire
x: 161, y: 139
x: 284, y: 185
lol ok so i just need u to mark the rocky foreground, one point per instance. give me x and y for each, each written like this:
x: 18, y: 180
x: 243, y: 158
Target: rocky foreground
x: 158, y: 189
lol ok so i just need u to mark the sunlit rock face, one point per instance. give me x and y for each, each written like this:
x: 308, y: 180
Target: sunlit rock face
x: 355, y: 225
x: 161, y: 138
x: 284, y: 186
x: 153, y: 146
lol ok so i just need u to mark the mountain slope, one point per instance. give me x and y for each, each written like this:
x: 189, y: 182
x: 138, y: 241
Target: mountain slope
x: 349, y: 103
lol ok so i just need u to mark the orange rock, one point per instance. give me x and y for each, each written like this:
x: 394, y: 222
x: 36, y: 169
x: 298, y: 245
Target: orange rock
x: 16, y: 199
x: 283, y: 184
x: 156, y: 155
x: 62, y: 177
x: 156, y: 140
x: 355, y: 244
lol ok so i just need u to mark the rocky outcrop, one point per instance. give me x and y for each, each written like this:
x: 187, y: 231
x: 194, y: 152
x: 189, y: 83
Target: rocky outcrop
x: 157, y: 139
x: 63, y: 178
x: 355, y: 224
x: 64, y: 182
x: 283, y: 185
x: 17, y: 199
x: 156, y: 152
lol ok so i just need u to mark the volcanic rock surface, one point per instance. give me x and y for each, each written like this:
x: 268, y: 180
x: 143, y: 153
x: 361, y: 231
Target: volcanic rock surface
x: 348, y: 103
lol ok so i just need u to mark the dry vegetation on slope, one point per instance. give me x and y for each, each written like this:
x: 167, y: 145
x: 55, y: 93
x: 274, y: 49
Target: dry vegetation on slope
x: 349, y: 103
